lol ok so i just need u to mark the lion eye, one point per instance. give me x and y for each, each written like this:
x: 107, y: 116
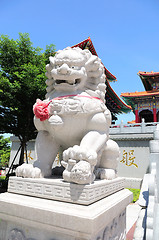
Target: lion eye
x: 74, y: 67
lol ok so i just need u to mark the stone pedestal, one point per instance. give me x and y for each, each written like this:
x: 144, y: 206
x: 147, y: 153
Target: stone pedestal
x: 37, y: 218
x: 58, y: 189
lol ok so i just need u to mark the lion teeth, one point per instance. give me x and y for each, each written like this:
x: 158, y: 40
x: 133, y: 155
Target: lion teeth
x: 70, y: 82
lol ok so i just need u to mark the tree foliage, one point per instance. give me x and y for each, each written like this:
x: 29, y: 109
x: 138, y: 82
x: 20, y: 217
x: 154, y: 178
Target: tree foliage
x: 4, y: 151
x: 22, y: 81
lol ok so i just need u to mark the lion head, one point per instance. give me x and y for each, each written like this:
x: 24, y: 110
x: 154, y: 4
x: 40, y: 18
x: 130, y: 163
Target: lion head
x: 75, y: 69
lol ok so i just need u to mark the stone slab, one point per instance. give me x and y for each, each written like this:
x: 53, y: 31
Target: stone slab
x: 131, y: 136
x: 133, y: 183
x: 39, y: 219
x: 57, y: 189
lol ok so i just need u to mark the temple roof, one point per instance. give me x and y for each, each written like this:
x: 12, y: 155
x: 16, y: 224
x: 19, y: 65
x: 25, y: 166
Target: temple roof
x: 113, y: 102
x: 130, y: 98
x: 148, y: 78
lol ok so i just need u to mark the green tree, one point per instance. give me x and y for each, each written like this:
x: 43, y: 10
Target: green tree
x: 22, y: 81
x: 4, y: 151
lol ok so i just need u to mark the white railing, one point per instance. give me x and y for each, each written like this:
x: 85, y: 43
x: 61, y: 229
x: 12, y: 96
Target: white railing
x: 142, y: 127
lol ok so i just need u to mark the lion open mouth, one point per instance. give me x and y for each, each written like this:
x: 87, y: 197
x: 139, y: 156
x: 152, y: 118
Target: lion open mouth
x: 70, y: 82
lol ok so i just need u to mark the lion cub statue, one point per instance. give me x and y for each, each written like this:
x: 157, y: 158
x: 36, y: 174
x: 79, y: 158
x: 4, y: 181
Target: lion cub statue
x: 74, y: 117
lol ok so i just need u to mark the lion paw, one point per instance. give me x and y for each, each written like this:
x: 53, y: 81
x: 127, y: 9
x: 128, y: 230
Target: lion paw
x: 79, y: 165
x: 78, y: 153
x: 28, y: 171
x: 80, y: 172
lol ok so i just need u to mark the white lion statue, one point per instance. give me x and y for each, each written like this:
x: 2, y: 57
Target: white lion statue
x: 74, y: 117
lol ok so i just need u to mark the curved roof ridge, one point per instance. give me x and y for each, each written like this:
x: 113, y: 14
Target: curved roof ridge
x: 148, y: 74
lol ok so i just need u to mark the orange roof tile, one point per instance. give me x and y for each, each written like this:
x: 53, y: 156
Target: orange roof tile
x: 140, y: 94
x: 131, y: 122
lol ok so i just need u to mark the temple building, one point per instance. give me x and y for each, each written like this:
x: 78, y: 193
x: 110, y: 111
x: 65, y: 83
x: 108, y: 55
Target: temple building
x: 145, y: 105
x: 113, y: 102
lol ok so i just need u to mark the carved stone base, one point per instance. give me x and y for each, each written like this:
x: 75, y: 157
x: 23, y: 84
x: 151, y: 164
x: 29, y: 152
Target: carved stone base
x: 57, y: 189
x: 30, y: 218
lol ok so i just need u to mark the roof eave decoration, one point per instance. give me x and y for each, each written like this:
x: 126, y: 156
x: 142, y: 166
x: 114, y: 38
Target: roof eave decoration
x: 130, y: 102
x: 87, y: 44
x: 148, y: 74
x: 120, y: 106
x: 129, y: 98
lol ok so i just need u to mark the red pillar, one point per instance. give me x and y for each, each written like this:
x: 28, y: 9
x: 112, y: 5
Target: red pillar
x: 154, y: 115
x: 136, y: 116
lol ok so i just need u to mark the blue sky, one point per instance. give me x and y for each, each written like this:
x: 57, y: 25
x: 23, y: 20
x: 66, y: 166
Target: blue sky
x: 125, y: 33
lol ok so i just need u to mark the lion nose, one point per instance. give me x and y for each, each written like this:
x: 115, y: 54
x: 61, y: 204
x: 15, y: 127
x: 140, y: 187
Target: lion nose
x: 64, y: 68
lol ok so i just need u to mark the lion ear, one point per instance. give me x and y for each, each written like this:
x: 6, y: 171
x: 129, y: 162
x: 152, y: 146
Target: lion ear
x: 52, y: 60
